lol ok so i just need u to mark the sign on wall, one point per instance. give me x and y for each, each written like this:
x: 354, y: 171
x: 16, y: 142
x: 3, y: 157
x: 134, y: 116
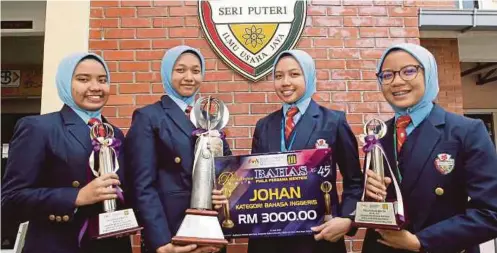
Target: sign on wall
x: 10, y: 78
x: 21, y: 81
x: 248, y: 35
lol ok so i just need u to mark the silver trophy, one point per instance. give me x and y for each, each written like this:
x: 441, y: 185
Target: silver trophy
x: 201, y: 225
x: 212, y: 115
x: 113, y: 222
x: 378, y: 129
x: 371, y: 213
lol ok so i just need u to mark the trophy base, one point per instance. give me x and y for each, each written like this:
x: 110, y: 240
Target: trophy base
x: 114, y: 224
x: 200, y: 227
x: 228, y: 224
x: 121, y: 233
x: 377, y: 215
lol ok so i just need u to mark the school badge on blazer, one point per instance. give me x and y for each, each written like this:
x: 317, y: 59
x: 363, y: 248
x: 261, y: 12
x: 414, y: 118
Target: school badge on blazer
x: 248, y: 35
x: 444, y: 163
x: 321, y: 143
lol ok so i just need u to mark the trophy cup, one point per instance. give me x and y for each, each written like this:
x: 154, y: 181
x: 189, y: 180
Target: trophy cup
x: 113, y: 222
x: 371, y: 213
x: 326, y: 188
x: 201, y: 225
x: 229, y: 183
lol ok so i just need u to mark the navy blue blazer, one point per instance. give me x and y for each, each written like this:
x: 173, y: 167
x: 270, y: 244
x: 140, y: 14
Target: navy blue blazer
x: 159, y: 156
x: 46, y: 168
x: 317, y: 122
x: 437, y: 205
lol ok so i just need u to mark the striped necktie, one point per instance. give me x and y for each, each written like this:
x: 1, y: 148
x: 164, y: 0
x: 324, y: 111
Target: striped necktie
x: 289, y: 124
x: 401, y: 124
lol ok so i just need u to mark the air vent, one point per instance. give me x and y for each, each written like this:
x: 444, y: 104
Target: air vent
x: 17, y: 24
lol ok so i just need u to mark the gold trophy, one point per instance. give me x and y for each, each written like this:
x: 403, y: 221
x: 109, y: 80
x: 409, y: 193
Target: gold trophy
x: 326, y: 188
x: 227, y: 180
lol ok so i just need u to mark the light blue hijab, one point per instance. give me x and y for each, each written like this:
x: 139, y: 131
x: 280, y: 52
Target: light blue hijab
x: 308, y: 68
x: 166, y: 70
x: 422, y: 109
x: 64, y: 77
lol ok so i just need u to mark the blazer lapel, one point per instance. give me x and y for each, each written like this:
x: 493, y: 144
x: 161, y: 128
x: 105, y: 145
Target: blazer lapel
x: 77, y: 127
x: 177, y: 115
x: 418, y: 151
x: 305, y: 126
x: 274, y: 131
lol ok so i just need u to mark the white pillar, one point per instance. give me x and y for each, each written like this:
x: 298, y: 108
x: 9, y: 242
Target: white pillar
x: 66, y: 31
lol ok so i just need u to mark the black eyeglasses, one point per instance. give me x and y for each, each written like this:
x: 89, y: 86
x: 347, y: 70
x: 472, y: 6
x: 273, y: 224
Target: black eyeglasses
x: 406, y: 73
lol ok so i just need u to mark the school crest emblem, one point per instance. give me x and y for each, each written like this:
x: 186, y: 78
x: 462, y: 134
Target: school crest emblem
x: 248, y: 35
x: 444, y: 163
x: 253, y: 161
x: 321, y: 143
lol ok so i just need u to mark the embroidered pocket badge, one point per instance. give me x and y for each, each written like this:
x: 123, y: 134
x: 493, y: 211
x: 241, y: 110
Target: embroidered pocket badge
x: 444, y: 163
x: 321, y: 143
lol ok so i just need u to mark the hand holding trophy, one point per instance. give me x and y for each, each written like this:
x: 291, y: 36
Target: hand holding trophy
x: 111, y: 223
x: 201, y: 225
x: 378, y: 212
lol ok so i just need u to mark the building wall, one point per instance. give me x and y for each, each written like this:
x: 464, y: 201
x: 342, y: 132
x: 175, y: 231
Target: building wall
x: 478, y: 96
x: 446, y: 52
x: 345, y: 39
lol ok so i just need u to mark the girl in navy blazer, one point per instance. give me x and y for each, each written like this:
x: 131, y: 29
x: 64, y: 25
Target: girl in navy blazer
x: 441, y: 160
x: 160, y: 152
x: 295, y: 83
x: 48, y: 181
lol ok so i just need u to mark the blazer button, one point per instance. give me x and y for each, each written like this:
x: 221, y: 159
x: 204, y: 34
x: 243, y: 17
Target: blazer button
x: 177, y: 160
x: 58, y: 218
x: 439, y: 191
x: 65, y: 218
x: 75, y: 184
x: 51, y: 217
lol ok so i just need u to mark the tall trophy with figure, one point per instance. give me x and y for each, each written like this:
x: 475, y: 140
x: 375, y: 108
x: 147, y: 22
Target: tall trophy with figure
x: 387, y: 213
x: 112, y: 222
x: 201, y: 225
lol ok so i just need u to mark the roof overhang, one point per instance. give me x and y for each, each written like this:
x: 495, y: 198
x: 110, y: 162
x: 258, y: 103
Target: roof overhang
x: 457, y: 20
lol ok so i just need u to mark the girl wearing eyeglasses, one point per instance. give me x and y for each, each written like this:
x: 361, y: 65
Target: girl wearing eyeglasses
x: 446, y: 164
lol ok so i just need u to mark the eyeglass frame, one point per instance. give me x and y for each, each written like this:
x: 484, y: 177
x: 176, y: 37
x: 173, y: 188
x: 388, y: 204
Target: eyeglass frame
x: 418, y: 67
